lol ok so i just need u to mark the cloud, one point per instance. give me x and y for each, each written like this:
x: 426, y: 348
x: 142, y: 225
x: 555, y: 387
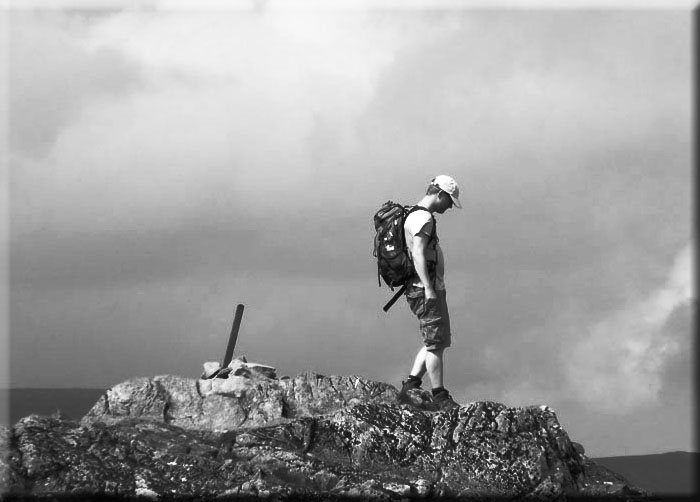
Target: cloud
x: 254, y: 108
x: 617, y: 366
x: 678, y: 372
x: 280, y: 100
x: 54, y: 76
x: 518, y: 102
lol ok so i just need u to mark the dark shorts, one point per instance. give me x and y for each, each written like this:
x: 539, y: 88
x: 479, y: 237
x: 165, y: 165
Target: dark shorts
x: 434, y: 319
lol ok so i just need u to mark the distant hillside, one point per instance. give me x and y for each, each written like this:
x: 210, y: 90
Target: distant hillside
x: 663, y: 473
x: 73, y: 403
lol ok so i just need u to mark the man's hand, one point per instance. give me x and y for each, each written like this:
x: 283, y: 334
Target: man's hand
x: 430, y: 293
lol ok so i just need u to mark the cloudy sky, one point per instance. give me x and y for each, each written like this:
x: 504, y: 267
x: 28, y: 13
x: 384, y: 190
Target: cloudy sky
x: 168, y: 163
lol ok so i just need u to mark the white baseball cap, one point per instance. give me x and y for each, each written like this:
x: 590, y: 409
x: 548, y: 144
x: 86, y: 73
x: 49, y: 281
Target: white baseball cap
x: 449, y: 185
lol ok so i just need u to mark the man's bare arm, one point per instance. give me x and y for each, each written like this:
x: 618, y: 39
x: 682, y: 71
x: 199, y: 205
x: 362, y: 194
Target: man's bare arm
x: 418, y: 251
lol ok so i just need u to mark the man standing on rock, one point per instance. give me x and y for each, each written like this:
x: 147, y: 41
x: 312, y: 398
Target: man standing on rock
x: 426, y: 292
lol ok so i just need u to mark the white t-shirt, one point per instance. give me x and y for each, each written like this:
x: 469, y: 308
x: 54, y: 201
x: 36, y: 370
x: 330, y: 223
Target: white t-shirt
x: 421, y: 222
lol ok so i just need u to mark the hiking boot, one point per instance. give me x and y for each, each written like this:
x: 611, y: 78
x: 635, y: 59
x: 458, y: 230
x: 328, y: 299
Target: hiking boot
x: 407, y: 385
x: 444, y: 401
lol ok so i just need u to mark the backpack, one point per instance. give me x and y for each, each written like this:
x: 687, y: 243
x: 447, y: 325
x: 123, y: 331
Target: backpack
x: 394, y: 263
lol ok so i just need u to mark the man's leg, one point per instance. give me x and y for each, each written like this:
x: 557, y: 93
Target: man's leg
x: 419, y: 368
x: 414, y: 377
x: 441, y: 397
x: 433, y: 363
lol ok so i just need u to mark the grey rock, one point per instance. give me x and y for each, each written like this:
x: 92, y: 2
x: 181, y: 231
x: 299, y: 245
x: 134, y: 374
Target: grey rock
x: 241, y: 367
x: 310, y: 437
x: 262, y: 370
x: 210, y: 368
x: 233, y: 402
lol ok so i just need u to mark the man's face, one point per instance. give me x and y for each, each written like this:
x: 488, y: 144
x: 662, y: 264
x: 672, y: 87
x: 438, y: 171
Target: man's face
x: 444, y: 202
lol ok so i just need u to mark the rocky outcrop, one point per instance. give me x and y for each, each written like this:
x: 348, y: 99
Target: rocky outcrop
x: 234, y: 402
x: 307, y: 438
